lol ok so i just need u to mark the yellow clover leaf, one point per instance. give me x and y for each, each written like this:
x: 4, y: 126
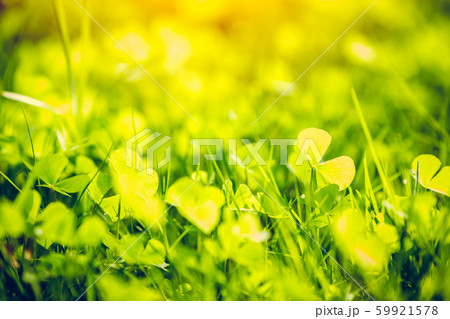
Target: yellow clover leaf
x: 313, y: 143
x: 197, y: 203
x: 129, y: 182
x: 137, y: 188
x: 427, y: 166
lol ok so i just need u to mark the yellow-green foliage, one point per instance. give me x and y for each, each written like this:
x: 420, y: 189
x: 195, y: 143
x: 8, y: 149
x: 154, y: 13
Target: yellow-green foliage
x: 355, y: 213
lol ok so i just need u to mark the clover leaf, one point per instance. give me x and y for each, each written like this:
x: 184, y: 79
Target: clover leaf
x: 427, y: 167
x: 197, y: 203
x: 243, y: 199
x: 56, y: 224
x: 129, y: 182
x: 91, y: 231
x: 50, y: 168
x: 137, y: 249
x: 313, y: 143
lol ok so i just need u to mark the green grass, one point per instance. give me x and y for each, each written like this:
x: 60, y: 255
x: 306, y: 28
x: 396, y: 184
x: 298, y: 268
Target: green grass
x: 77, y: 223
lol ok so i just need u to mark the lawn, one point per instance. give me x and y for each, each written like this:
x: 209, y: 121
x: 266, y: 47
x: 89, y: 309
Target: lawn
x: 224, y: 150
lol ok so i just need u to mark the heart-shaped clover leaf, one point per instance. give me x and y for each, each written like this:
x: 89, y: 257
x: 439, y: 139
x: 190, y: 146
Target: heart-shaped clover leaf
x: 130, y: 183
x: 197, y: 203
x: 313, y: 143
x: 50, y: 169
x: 427, y: 167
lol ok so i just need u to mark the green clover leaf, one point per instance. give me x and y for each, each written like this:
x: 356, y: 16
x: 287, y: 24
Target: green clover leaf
x: 50, y: 168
